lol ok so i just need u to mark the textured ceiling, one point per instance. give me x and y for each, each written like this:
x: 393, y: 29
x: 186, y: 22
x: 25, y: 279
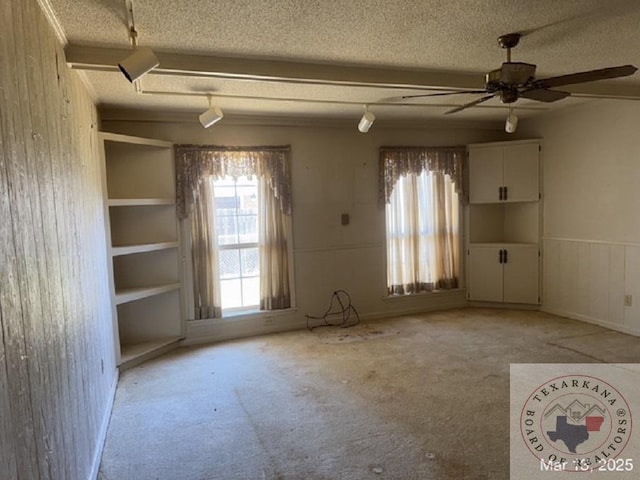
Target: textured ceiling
x: 451, y: 38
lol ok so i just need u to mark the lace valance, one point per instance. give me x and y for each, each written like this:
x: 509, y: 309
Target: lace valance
x: 398, y: 161
x: 196, y: 162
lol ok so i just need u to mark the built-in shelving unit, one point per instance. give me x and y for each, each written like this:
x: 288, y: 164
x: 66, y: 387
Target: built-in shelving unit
x: 504, y: 222
x: 139, y: 186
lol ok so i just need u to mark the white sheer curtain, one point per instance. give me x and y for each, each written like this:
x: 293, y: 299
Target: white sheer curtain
x: 273, y: 227
x: 204, y: 253
x: 422, y: 219
x: 422, y: 234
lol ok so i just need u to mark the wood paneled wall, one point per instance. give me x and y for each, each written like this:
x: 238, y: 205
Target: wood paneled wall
x: 57, y: 365
x: 588, y: 280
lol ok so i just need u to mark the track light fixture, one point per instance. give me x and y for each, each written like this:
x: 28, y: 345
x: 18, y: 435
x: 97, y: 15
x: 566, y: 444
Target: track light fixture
x: 139, y: 63
x: 366, y: 121
x: 212, y: 115
x: 142, y: 60
x: 511, y: 123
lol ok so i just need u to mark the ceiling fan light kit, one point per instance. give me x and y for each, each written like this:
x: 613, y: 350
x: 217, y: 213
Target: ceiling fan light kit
x: 512, y: 123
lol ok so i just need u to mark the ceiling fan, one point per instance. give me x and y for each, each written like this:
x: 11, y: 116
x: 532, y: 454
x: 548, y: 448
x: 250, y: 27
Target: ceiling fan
x: 514, y: 80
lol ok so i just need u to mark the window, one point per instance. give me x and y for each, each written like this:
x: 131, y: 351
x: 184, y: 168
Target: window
x: 237, y: 204
x: 422, y: 219
x: 236, y: 207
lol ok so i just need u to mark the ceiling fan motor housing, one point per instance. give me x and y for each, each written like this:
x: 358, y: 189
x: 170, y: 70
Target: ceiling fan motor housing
x: 510, y: 74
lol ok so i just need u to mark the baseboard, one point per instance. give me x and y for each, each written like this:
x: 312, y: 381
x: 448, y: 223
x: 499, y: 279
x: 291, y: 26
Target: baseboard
x: 413, y: 310
x: 104, y: 426
x: 595, y: 321
x: 223, y: 330
x: 218, y: 330
x: 507, y: 306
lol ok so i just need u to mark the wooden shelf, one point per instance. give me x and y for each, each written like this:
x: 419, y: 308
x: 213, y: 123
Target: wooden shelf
x: 140, y: 199
x: 134, y: 202
x: 149, y: 142
x: 147, y: 247
x: 131, y: 294
x: 134, y: 354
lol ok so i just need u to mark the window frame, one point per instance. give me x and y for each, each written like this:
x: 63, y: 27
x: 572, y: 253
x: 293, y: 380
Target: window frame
x: 239, y: 313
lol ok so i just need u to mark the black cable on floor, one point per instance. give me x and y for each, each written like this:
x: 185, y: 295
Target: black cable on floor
x: 345, y: 311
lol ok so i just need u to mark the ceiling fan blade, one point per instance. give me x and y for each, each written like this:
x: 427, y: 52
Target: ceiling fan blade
x: 544, y: 95
x: 442, y: 93
x: 471, y: 104
x: 588, y: 76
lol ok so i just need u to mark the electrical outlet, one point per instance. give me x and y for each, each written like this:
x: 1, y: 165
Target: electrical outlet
x: 628, y: 300
x: 268, y: 321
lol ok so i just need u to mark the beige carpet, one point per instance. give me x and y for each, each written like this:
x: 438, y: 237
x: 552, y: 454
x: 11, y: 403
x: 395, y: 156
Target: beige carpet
x: 418, y: 397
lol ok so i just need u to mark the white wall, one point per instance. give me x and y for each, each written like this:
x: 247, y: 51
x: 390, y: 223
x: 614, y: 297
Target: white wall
x: 335, y: 171
x: 591, y: 159
x: 57, y: 365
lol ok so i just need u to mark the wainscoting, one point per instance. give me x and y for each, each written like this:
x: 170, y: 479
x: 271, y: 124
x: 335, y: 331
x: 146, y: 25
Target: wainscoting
x: 588, y: 280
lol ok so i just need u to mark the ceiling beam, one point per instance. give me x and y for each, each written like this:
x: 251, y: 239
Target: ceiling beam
x: 209, y: 66
x: 106, y: 59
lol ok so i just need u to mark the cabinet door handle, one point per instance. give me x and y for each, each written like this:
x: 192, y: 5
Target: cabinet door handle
x: 504, y: 257
x: 504, y: 194
x: 500, y: 256
x: 499, y: 193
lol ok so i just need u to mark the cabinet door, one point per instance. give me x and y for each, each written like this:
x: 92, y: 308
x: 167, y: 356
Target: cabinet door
x: 521, y: 274
x: 485, y: 174
x: 520, y: 172
x: 485, y: 274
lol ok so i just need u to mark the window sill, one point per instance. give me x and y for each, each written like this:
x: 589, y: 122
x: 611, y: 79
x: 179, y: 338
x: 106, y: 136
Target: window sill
x: 240, y: 312
x: 244, y: 315
x: 438, y: 293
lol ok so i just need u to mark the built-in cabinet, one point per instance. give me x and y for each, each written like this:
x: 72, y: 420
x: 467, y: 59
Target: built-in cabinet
x: 503, y: 223
x: 144, y: 248
x: 506, y: 173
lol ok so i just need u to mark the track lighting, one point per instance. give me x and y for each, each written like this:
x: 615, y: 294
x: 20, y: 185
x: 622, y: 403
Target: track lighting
x: 212, y: 115
x: 511, y: 123
x: 140, y: 62
x: 366, y: 121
